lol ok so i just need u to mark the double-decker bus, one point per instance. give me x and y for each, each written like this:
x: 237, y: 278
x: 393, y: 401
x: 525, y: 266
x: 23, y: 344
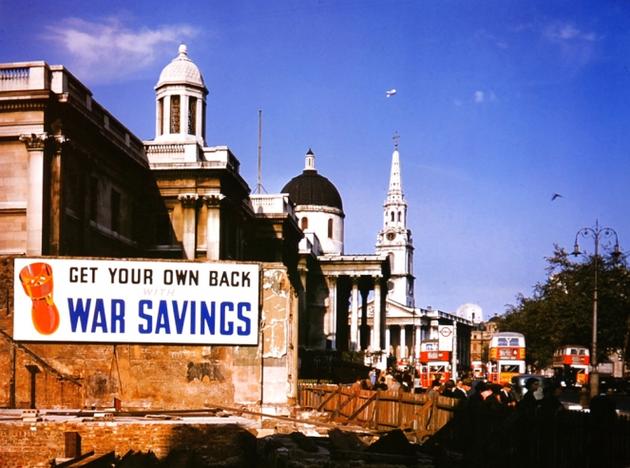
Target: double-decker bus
x: 435, y: 364
x: 507, y: 356
x: 571, y: 365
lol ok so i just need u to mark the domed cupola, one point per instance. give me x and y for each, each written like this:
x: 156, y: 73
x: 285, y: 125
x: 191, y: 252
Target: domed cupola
x: 318, y: 206
x: 181, y: 101
x: 181, y: 70
x: 310, y: 188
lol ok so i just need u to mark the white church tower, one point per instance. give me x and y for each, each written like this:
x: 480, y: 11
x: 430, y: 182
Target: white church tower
x: 394, y: 239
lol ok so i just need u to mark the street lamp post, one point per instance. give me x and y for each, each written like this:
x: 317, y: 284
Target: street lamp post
x: 597, y: 233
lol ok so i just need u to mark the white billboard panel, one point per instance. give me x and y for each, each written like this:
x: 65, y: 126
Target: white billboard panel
x: 120, y: 301
x: 445, y: 337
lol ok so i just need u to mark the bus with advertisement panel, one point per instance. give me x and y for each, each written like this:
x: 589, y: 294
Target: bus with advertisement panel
x: 571, y: 365
x: 435, y: 364
x: 506, y: 356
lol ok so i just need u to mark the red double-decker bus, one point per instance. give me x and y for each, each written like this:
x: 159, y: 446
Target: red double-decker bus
x: 571, y: 365
x: 435, y: 364
x: 507, y: 356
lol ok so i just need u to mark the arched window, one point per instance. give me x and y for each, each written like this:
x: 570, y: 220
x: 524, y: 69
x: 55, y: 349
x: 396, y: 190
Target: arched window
x: 304, y: 223
x: 392, y: 213
x: 330, y: 228
x: 174, y: 127
x: 399, y: 215
x: 192, y: 115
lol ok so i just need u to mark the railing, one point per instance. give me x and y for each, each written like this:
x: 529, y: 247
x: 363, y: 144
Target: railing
x: 419, y: 415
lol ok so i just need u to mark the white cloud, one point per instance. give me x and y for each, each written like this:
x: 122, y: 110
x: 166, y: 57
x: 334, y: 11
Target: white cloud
x: 559, y: 32
x: 109, y: 51
x: 480, y: 97
x: 577, y: 47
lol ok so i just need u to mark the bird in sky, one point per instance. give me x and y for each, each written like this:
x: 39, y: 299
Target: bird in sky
x: 390, y: 92
x: 555, y: 195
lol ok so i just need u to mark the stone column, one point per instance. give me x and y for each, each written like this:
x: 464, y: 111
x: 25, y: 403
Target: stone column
x: 183, y: 114
x: 376, y: 333
x: 365, y: 329
x: 354, y: 317
x: 35, y: 202
x: 418, y: 338
x: 213, y: 226
x: 388, y: 341
x: 56, y: 202
x: 332, y: 312
x: 200, y: 117
x: 166, y: 119
x: 455, y: 350
x: 189, y: 208
x: 403, y: 342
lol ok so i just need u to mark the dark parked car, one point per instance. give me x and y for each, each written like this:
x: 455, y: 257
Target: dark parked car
x: 518, y: 385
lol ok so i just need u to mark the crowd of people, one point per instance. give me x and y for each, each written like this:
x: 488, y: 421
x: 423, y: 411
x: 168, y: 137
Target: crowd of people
x: 494, y: 421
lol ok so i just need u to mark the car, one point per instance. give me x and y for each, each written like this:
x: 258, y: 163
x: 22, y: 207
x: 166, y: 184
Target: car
x: 614, y: 385
x: 518, y: 385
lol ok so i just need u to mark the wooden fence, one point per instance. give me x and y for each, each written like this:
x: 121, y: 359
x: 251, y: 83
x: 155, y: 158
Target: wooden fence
x: 566, y: 439
x: 419, y: 415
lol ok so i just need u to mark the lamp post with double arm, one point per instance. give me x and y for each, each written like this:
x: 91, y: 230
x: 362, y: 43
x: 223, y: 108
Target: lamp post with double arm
x: 597, y: 233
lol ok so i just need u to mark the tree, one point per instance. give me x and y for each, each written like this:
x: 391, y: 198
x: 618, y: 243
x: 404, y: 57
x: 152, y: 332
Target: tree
x: 560, y: 311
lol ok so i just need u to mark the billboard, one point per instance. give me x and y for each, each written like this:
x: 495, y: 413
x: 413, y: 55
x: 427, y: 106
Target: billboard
x: 120, y: 301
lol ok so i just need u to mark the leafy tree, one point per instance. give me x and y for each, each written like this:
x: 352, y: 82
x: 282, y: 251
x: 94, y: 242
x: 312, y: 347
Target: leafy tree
x: 561, y: 309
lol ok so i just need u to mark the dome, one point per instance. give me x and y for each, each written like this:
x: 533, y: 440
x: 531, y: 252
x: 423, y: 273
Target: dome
x: 181, y: 70
x: 310, y: 188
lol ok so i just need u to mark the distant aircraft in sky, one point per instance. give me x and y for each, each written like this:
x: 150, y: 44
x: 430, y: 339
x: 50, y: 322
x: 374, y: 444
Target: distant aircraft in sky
x: 390, y: 92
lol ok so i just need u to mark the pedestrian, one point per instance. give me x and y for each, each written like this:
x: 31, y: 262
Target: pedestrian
x: 529, y: 404
x: 372, y: 377
x: 462, y: 389
x: 449, y: 388
x: 550, y: 404
x: 506, y: 396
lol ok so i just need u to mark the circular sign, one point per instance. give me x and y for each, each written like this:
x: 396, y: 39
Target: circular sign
x: 445, y: 331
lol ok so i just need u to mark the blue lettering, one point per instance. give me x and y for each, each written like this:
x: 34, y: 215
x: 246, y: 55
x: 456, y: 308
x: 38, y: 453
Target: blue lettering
x: 162, y: 318
x: 99, y: 320
x: 144, y: 316
x: 207, y: 318
x: 78, y: 314
x: 227, y: 327
x: 246, y: 328
x: 118, y: 316
x: 179, y: 316
x: 193, y: 317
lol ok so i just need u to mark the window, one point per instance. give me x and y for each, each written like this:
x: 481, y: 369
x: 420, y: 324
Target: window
x: 399, y: 215
x: 174, y: 128
x: 304, y: 224
x: 502, y: 342
x: 330, y: 228
x: 513, y: 341
x: 392, y: 216
x: 115, y: 210
x: 93, y: 198
x: 192, y: 115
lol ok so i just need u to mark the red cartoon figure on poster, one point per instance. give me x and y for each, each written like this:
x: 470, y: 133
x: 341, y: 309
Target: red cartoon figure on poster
x: 37, y: 280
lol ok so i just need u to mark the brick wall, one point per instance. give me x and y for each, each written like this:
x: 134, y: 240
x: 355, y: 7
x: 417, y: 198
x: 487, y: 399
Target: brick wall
x: 36, y: 444
x: 156, y: 376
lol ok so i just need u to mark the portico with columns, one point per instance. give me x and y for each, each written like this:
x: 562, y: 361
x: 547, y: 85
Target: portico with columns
x: 351, y: 279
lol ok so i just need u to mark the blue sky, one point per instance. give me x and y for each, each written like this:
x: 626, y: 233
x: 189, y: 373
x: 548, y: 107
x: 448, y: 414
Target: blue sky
x: 500, y: 104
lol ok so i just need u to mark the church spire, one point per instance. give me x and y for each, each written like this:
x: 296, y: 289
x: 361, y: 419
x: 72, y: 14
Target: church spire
x: 394, y: 239
x: 395, y: 193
